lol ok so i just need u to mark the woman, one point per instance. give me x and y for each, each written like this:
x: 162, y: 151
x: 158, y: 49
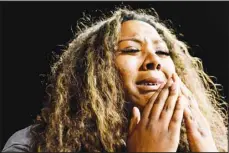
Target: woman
x: 125, y: 84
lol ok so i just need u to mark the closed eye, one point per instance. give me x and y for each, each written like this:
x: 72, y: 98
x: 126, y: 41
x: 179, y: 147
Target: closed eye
x: 165, y: 53
x: 130, y: 50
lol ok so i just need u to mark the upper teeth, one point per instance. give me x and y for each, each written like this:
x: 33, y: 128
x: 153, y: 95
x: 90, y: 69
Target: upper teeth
x: 152, y: 84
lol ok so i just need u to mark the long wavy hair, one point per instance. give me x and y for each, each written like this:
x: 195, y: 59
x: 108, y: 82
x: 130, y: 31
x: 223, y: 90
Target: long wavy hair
x: 86, y: 108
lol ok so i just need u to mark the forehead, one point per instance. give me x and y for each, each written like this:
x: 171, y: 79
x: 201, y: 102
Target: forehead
x: 133, y: 28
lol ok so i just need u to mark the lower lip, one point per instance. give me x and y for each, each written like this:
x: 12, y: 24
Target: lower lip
x: 148, y: 88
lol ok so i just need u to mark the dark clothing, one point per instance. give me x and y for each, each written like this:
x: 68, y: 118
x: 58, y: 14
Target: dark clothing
x: 21, y: 141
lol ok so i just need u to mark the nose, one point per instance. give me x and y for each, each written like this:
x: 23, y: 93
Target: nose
x: 152, y: 62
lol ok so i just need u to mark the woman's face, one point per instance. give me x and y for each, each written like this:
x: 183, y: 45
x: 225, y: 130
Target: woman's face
x: 143, y: 61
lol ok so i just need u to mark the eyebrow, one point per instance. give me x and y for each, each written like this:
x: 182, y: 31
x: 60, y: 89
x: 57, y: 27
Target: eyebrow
x: 158, y: 41
x: 139, y: 40
x: 131, y: 39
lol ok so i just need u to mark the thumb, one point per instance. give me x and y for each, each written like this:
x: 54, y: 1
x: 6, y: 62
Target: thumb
x: 135, y: 119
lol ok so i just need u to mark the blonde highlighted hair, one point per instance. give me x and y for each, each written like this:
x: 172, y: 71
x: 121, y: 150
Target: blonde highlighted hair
x: 86, y: 109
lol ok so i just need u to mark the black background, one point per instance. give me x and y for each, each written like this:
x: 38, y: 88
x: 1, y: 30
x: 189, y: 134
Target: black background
x: 32, y: 30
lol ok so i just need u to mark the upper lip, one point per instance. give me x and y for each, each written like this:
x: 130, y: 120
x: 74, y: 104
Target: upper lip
x: 150, y: 80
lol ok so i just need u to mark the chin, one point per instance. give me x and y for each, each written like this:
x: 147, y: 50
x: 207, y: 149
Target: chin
x: 138, y: 99
x: 141, y: 100
x: 145, y: 97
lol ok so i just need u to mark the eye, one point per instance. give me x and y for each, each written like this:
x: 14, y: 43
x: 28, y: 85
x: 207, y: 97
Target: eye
x: 164, y: 53
x: 130, y: 50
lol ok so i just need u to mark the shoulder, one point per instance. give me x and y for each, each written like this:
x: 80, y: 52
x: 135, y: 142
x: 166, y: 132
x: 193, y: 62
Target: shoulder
x: 20, y: 141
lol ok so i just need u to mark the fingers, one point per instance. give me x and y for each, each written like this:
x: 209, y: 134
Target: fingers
x: 190, y: 122
x: 184, y: 90
x: 195, y: 121
x: 198, y: 131
x: 170, y: 103
x: 192, y: 108
x: 187, y: 93
x: 149, y: 105
x: 160, y: 101
x: 175, y: 123
x: 134, y: 120
x: 196, y: 113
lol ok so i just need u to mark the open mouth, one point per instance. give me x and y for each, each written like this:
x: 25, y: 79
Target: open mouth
x: 149, y: 84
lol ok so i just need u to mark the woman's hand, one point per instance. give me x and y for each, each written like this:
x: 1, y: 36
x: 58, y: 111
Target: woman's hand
x: 198, y: 130
x: 158, y: 129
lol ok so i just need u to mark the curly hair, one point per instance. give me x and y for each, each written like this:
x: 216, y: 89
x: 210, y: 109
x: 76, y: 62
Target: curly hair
x: 86, y: 109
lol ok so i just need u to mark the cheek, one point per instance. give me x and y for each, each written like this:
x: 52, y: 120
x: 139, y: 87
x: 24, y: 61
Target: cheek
x: 168, y: 67
x: 127, y: 67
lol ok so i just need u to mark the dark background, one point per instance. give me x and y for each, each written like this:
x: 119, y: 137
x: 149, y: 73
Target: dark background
x: 32, y: 30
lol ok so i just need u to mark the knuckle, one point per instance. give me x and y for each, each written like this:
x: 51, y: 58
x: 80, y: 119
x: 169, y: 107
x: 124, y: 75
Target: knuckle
x: 193, y: 131
x: 165, y: 129
x: 202, y: 133
x: 179, y: 107
x: 157, y: 101
x: 152, y: 117
x: 141, y: 127
x: 171, y: 138
x: 173, y: 93
x: 151, y: 127
x: 195, y: 134
x: 176, y: 119
x: 167, y: 108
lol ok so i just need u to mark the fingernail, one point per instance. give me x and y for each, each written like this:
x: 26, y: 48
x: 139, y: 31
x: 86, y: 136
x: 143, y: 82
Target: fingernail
x: 173, y: 87
x: 170, y: 82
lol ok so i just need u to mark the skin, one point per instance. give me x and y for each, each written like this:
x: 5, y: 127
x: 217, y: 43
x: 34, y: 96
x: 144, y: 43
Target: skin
x: 143, y: 61
x: 198, y: 130
x: 157, y: 115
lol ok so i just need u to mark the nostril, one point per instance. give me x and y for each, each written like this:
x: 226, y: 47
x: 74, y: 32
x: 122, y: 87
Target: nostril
x: 149, y: 66
x: 158, y: 66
